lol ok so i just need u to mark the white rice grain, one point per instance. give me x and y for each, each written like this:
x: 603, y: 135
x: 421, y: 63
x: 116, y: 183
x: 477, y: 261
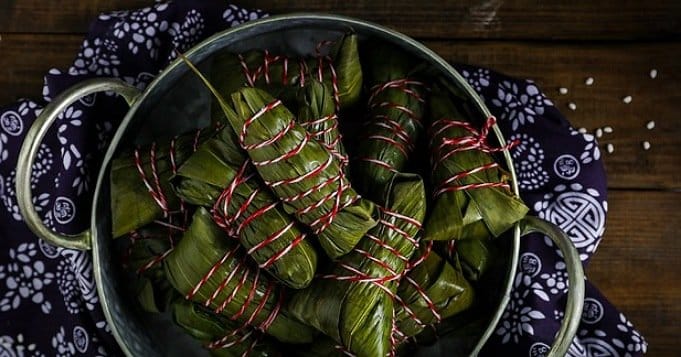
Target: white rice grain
x: 610, y: 148
x: 650, y: 125
x: 646, y: 145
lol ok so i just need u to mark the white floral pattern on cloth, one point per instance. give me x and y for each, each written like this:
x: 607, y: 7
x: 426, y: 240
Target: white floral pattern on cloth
x: 140, y: 29
x: 520, y: 102
x: 135, y: 45
x: 24, y: 277
x: 17, y: 346
x: 528, y: 158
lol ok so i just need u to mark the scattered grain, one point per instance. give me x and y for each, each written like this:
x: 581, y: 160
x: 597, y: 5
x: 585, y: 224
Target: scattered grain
x: 610, y: 148
x: 589, y: 81
x: 627, y: 99
x: 650, y: 125
x: 572, y: 106
x: 653, y: 73
x: 562, y: 90
x: 646, y: 145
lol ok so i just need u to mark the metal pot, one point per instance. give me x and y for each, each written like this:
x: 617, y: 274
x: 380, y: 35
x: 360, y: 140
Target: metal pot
x: 298, y: 33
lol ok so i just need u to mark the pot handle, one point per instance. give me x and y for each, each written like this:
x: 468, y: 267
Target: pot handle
x: 31, y: 145
x: 575, y: 295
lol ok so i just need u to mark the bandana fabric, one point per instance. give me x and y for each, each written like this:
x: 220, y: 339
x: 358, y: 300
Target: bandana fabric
x: 560, y: 174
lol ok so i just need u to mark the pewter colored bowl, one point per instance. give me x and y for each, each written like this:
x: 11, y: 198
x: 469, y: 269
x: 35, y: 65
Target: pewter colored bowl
x: 163, y: 109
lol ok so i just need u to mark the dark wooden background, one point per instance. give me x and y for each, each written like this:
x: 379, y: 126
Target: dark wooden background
x: 556, y: 43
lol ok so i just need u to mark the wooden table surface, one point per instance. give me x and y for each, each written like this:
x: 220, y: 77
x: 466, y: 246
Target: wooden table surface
x: 560, y: 44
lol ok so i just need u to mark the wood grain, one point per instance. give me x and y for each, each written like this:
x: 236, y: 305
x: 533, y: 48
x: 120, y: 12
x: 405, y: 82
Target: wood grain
x: 25, y: 59
x: 492, y: 19
x: 637, y: 264
x: 618, y: 70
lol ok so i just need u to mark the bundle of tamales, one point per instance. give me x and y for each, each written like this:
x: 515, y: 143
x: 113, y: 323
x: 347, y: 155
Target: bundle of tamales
x: 273, y: 251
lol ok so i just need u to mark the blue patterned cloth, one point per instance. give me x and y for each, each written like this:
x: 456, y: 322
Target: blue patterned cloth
x: 560, y: 173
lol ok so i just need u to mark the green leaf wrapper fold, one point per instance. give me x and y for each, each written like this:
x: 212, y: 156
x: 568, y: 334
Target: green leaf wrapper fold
x: 346, y: 305
x: 445, y: 286
x: 317, y: 114
x: 396, y: 107
x: 211, y: 169
x: 143, y: 258
x: 132, y: 205
x: 309, y: 180
x: 472, y: 212
x: 228, y: 73
x: 207, y: 327
x: 243, y: 293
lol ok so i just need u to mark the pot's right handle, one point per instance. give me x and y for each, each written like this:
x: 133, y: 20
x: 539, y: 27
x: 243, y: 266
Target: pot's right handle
x: 575, y: 295
x: 31, y: 145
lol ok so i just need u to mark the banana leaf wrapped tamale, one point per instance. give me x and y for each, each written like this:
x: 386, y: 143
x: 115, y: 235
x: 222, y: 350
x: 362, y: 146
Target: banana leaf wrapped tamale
x: 317, y: 115
x: 396, y: 105
x: 140, y: 191
x: 222, y: 336
x: 472, y: 198
x: 219, y: 175
x: 299, y: 170
x: 434, y: 290
x: 353, y: 304
x: 214, y: 271
x: 340, y: 70
x: 149, y: 246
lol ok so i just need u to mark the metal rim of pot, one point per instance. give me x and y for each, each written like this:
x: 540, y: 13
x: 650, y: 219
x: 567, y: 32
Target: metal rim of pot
x: 89, y: 240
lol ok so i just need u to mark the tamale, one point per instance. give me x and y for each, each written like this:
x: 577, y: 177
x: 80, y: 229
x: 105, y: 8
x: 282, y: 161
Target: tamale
x: 143, y: 258
x: 353, y: 303
x: 395, y: 109
x: 140, y: 191
x: 222, y: 336
x: 300, y: 171
x: 434, y: 290
x: 219, y: 175
x: 472, y: 197
x: 340, y: 70
x: 318, y: 116
x: 214, y: 271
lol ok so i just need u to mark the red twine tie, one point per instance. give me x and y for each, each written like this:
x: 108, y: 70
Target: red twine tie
x: 476, y: 140
x: 263, y: 70
x: 399, y: 138
x: 227, y: 221
x: 321, y: 223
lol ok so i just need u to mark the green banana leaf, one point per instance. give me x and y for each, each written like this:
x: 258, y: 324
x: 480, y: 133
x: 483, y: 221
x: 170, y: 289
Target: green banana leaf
x: 282, y: 74
x: 443, y: 284
x: 211, y: 169
x: 317, y: 115
x: 475, y: 213
x: 132, y: 205
x: 394, y: 123
x: 234, y: 289
x: 148, y: 248
x: 476, y: 256
x: 300, y: 171
x: 226, y: 336
x: 354, y: 303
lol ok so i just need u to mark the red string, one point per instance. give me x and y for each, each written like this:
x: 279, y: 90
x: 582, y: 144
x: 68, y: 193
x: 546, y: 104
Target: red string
x: 157, y: 193
x: 223, y: 218
x: 319, y: 135
x: 322, y: 222
x: 263, y: 70
x: 399, y: 137
x: 475, y: 140
x: 251, y: 297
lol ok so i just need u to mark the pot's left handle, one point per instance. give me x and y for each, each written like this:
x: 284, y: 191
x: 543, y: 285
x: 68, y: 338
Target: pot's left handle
x: 31, y: 145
